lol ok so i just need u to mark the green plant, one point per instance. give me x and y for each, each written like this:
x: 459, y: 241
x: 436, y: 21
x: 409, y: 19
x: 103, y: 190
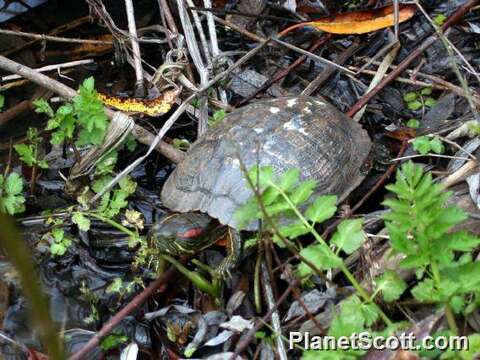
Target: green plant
x: 11, y: 198
x: 2, y: 102
x: 59, y: 243
x: 112, y: 341
x: 84, y: 114
x: 217, y: 117
x: 427, y: 144
x: 181, y: 144
x: 439, y: 19
x: 28, y: 151
x: 89, y: 296
x: 419, y: 226
x: 416, y: 100
x: 413, y: 123
x: 286, y: 209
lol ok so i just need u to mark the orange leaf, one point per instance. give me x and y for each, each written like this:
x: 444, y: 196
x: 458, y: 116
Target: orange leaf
x: 359, y: 22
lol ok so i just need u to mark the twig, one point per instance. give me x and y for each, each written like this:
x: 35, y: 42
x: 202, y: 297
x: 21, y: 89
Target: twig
x: 202, y: 70
x: 241, y: 346
x: 137, y: 56
x: 128, y: 309
x: 201, y: 34
x: 58, y: 30
x: 410, y: 58
x: 277, y: 327
x: 313, y: 56
x: 53, y: 38
x: 431, y: 155
x: 14, y: 111
x: 50, y: 68
x: 165, y: 9
x: 141, y: 134
x: 381, y: 71
x: 214, y: 43
x: 460, y: 174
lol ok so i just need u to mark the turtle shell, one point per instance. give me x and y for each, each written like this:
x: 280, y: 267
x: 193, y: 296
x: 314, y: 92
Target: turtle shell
x: 288, y: 132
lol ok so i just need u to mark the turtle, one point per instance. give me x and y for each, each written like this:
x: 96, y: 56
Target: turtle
x: 208, y: 186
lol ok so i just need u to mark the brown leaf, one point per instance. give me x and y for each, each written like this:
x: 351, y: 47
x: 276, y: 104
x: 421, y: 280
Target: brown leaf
x: 359, y: 22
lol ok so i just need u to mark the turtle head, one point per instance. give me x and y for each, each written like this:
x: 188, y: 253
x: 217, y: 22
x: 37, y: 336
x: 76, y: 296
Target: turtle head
x: 181, y: 233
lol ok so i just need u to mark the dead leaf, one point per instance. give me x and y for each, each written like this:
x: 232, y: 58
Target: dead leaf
x: 359, y: 22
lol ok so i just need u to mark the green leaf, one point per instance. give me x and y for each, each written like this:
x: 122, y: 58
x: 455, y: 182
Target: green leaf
x: 58, y: 234
x: 413, y: 123
x: 82, y: 222
x: 13, y: 184
x: 261, y: 176
x: 436, y: 145
x: 321, y: 256
x: 128, y: 185
x: 323, y: 208
x: 12, y: 205
x: 58, y: 249
x: 391, y: 285
x: 26, y: 153
x: 425, y: 291
x: 289, y: 179
x: 43, y: 107
x: 422, y: 145
x: 112, y: 341
x: 430, y: 102
x: 303, y: 191
x: 439, y: 19
x: 88, y: 84
x: 246, y: 213
x: 462, y: 241
x: 107, y: 163
x: 294, y: 230
x: 350, y: 319
x: 2, y: 102
x: 410, y: 96
x: 115, y: 286
x: 414, y: 105
x: 349, y: 235
x: 426, y: 91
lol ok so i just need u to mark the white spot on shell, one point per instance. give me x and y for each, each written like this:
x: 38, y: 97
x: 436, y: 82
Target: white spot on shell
x: 307, y: 110
x: 291, y: 102
x: 295, y: 126
x: 258, y: 130
x: 321, y: 103
x: 274, y: 110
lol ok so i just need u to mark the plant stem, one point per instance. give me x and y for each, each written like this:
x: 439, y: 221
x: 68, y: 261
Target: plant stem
x: 111, y: 222
x: 448, y: 310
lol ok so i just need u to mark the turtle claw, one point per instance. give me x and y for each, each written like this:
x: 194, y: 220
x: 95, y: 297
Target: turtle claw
x: 224, y: 269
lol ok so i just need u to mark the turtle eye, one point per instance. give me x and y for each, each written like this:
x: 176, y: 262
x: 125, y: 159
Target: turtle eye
x: 190, y: 233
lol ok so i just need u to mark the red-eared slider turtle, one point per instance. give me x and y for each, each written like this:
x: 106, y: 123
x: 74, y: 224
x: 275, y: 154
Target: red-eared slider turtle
x: 290, y: 132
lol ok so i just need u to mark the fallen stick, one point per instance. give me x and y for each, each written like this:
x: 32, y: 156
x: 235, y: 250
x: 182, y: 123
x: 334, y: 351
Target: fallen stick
x: 142, y: 135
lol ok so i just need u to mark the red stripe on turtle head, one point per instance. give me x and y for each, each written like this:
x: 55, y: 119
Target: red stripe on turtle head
x: 191, y: 233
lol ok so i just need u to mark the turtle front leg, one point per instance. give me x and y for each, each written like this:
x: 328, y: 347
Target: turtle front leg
x: 234, y: 252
